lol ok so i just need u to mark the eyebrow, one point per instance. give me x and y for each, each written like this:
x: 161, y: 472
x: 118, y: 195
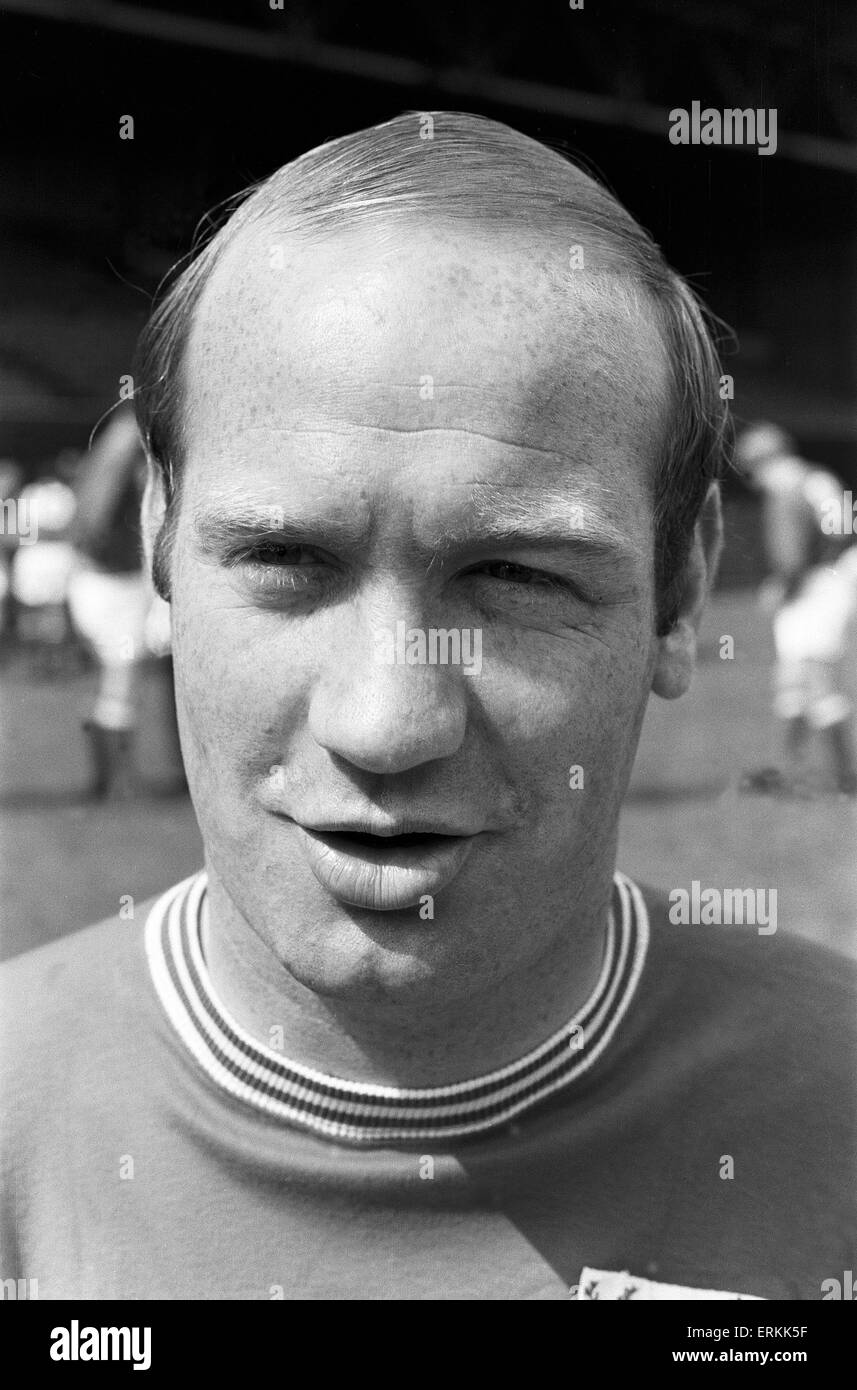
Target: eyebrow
x: 500, y: 515
x: 538, y: 517
x: 222, y: 528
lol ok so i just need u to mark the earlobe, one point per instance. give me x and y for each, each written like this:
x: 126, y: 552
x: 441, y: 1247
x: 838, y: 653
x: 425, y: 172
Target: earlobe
x: 676, y: 655
x: 676, y: 661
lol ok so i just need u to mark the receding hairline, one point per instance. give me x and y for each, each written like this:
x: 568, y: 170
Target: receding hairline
x: 474, y: 174
x: 611, y: 295
x: 560, y: 254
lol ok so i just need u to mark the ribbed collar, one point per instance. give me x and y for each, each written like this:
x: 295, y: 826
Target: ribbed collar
x: 358, y: 1112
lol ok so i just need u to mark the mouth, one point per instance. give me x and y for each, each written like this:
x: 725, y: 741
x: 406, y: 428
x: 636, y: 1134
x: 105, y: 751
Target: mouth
x: 386, y: 870
x: 358, y: 840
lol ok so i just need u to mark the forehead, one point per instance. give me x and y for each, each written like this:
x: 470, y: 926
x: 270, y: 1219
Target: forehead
x: 407, y: 330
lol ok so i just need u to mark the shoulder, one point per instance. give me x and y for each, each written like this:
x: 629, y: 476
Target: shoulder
x: 88, y: 960
x: 753, y: 949
x: 738, y: 1070
x: 751, y: 992
x: 81, y: 1055
x: 68, y: 1000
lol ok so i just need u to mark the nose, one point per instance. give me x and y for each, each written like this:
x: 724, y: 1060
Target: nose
x: 378, y: 712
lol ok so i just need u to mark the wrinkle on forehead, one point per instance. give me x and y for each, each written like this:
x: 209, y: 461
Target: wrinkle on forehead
x: 416, y: 430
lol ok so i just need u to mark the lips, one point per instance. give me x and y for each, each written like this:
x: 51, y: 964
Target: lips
x: 357, y: 840
x: 385, y: 869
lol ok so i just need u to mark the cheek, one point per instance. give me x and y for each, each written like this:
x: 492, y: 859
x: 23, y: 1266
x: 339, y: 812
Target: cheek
x: 236, y: 706
x: 572, y: 719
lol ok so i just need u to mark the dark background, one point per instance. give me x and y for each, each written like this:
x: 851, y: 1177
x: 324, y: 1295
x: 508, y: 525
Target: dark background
x: 223, y: 92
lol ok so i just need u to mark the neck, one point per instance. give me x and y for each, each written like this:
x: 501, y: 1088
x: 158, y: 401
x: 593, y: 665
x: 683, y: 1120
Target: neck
x: 406, y: 1043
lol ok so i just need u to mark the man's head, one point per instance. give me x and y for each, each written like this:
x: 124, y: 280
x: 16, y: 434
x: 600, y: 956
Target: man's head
x: 421, y: 385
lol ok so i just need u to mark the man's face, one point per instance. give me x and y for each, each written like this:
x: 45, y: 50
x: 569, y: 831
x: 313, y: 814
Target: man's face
x: 389, y: 434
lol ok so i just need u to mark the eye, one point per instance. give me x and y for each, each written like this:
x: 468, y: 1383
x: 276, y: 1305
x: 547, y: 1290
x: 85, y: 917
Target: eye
x: 277, y: 553
x: 508, y: 584
x: 510, y: 573
x: 275, y: 568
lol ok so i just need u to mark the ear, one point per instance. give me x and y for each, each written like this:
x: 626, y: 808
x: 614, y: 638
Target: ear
x: 676, y: 656
x: 153, y: 513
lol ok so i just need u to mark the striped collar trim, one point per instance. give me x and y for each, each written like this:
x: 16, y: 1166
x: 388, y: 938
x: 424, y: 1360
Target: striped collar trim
x: 359, y: 1112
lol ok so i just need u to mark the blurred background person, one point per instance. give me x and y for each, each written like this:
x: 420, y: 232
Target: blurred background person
x: 117, y: 612
x: 110, y: 597
x: 812, y: 597
x: 41, y: 571
x: 11, y: 476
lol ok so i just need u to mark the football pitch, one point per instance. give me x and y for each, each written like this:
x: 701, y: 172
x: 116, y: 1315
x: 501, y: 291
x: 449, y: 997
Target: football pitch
x: 65, y: 864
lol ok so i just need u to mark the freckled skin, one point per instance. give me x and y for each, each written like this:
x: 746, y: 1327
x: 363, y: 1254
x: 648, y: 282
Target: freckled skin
x: 303, y: 390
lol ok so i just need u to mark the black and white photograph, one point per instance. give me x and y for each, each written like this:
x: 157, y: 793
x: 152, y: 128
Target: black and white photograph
x: 428, y: 665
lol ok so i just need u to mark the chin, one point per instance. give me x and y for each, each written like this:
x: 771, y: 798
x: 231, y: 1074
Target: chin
x: 371, y: 959
x: 361, y: 981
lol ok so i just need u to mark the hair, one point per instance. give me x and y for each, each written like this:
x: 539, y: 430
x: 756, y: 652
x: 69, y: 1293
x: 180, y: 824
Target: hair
x: 450, y: 166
